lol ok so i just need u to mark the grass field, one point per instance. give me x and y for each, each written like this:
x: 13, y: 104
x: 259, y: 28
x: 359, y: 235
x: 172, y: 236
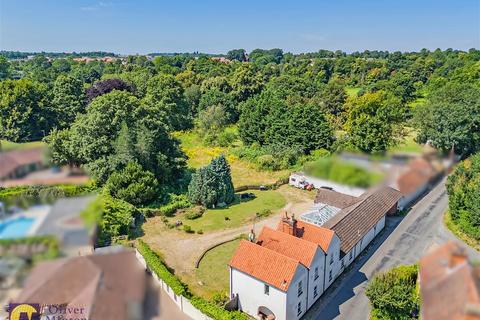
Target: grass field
x: 243, y: 173
x: 9, y: 146
x: 213, y: 270
x: 238, y: 213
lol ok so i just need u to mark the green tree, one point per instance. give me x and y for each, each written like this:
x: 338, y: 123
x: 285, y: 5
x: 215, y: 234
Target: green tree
x: 374, y: 121
x: 393, y: 294
x: 212, y: 185
x: 463, y: 187
x: 237, y: 54
x: 133, y: 184
x: 451, y: 118
x: 218, y: 98
x: 165, y: 101
x: 24, y: 110
x: 4, y: 68
x: 68, y: 100
x: 246, y: 82
x: 116, y: 129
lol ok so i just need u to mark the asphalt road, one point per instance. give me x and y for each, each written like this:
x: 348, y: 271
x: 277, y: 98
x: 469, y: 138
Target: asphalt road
x: 403, y: 241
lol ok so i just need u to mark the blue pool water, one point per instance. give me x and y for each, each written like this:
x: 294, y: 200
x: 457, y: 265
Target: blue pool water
x: 15, y: 228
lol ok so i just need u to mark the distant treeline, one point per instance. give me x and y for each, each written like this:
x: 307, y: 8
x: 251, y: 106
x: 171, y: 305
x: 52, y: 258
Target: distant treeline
x: 24, y: 55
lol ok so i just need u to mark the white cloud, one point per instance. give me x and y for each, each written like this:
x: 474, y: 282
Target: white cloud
x: 97, y: 6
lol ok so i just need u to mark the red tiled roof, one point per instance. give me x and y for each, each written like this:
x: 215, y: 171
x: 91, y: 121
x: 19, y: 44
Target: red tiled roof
x: 288, y: 245
x: 312, y: 233
x: 264, y: 264
x: 449, y: 285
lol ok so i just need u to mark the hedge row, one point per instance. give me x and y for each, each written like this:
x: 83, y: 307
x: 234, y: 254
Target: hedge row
x: 271, y: 186
x: 50, y: 242
x: 27, y: 195
x: 156, y: 265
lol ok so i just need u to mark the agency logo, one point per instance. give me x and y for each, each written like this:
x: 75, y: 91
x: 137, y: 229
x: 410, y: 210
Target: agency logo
x: 23, y: 311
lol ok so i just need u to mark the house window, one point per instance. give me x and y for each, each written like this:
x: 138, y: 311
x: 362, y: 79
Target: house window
x: 351, y: 255
x: 343, y: 264
x: 266, y: 289
x: 330, y: 276
x: 316, y: 273
x: 293, y: 179
x: 300, y: 289
x: 315, y: 292
x: 331, y: 258
x: 299, y: 308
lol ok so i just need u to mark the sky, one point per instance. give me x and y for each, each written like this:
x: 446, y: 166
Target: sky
x: 145, y: 26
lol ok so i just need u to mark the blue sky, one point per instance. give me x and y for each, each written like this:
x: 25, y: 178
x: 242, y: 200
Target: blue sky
x: 143, y: 26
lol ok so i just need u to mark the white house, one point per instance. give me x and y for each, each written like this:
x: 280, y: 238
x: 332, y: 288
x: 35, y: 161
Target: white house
x: 283, y: 272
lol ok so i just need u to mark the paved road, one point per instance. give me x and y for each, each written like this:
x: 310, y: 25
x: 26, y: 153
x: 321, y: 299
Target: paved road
x: 403, y: 241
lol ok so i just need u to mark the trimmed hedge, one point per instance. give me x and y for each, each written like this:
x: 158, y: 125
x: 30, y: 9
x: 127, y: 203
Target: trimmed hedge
x: 156, y: 265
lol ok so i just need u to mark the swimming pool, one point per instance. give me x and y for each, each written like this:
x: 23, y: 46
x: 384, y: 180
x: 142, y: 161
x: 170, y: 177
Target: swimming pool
x: 16, y: 228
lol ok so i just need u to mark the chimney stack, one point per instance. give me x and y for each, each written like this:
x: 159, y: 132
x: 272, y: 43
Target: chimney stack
x: 289, y: 225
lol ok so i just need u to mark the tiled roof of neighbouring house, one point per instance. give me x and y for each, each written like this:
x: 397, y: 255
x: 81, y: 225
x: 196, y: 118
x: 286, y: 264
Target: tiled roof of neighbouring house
x: 11, y: 160
x: 288, y: 245
x: 449, y: 285
x: 264, y: 264
x: 96, y: 282
x: 309, y: 232
x: 354, y: 222
x: 335, y: 199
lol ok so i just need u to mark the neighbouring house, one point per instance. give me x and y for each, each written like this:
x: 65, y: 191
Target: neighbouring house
x: 418, y: 177
x: 449, y: 285
x: 283, y: 272
x: 99, y: 286
x: 18, y: 163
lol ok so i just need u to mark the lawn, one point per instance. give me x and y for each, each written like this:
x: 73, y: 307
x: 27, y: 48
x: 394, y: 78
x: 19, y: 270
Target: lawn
x: 238, y: 213
x: 212, y: 272
x: 408, y: 145
x: 9, y: 146
x: 243, y: 173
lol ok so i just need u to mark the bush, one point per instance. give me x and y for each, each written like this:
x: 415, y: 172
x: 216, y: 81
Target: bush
x: 271, y: 157
x: 394, y: 294
x: 188, y: 229
x: 176, y: 202
x: 264, y: 213
x: 195, y: 213
x: 200, y: 231
x: 133, y: 184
